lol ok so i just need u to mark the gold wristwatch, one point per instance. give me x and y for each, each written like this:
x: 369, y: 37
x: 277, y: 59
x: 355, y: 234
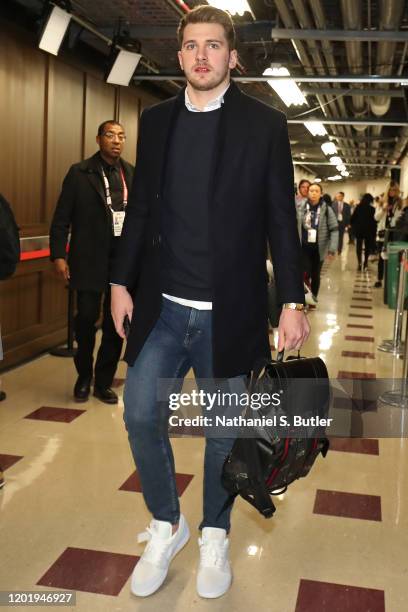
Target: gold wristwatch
x: 294, y: 306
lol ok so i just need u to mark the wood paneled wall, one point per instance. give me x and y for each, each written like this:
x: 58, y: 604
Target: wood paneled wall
x: 50, y: 112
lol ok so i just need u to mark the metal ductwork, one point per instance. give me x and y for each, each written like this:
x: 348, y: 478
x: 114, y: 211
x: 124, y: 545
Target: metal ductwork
x: 391, y: 12
x: 327, y: 47
x: 352, y: 19
x: 289, y: 22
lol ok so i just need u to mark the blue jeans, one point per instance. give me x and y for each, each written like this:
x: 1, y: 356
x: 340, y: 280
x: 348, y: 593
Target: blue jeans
x: 180, y: 340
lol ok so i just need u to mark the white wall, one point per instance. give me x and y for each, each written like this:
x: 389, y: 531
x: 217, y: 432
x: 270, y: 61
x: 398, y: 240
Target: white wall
x: 302, y: 174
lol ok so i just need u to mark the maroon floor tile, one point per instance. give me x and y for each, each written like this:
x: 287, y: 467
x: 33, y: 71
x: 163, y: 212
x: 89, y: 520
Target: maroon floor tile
x: 358, y: 354
x: 362, y: 405
x: 362, y: 446
x: 93, y: 571
x: 133, y: 483
x: 118, y: 382
x: 361, y: 299
x: 360, y: 326
x: 49, y: 413
x: 360, y: 316
x: 346, y: 374
x: 360, y: 338
x: 360, y: 306
x: 316, y: 596
x: 7, y: 461
x: 348, y: 505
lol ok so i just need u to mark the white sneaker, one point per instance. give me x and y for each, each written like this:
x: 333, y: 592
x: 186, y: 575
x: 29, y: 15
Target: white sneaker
x: 214, y: 572
x: 151, y: 570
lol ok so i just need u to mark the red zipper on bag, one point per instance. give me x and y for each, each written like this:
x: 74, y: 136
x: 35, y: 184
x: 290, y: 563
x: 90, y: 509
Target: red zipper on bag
x: 276, y: 470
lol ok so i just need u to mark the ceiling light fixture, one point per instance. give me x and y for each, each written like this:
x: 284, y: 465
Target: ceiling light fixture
x: 54, y: 30
x: 341, y: 167
x: 345, y: 173
x: 123, y: 68
x: 316, y: 128
x: 337, y: 177
x: 336, y: 161
x: 317, y: 180
x: 286, y: 89
x: 234, y: 7
x: 329, y: 148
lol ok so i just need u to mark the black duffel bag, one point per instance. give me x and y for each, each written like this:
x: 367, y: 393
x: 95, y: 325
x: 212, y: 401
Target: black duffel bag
x: 267, y: 460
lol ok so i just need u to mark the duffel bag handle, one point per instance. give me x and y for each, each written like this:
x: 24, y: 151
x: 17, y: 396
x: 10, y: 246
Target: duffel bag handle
x: 262, y: 362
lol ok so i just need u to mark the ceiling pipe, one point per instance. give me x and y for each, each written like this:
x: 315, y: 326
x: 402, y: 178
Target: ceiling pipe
x: 352, y: 19
x: 289, y: 22
x: 285, y: 15
x: 305, y: 21
x: 372, y: 80
x: 320, y: 21
x: 391, y: 12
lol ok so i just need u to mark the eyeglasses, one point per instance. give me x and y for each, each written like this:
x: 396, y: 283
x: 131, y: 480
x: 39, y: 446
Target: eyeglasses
x: 111, y: 136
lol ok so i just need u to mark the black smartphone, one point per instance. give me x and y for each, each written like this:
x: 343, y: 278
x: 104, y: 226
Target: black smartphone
x: 126, y: 325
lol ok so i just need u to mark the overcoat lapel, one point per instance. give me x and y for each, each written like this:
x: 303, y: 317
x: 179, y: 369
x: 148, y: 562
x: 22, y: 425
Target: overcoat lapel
x: 231, y: 138
x: 93, y: 172
x: 167, y: 129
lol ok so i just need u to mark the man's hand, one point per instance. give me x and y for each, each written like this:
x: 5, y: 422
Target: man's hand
x: 62, y: 269
x: 294, y: 329
x: 330, y: 256
x: 121, y: 305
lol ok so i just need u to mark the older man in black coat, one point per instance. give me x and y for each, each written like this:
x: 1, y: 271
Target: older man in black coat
x: 91, y: 206
x: 213, y: 183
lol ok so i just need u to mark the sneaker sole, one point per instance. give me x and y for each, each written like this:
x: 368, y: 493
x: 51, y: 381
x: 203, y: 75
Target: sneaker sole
x: 156, y: 587
x: 215, y: 595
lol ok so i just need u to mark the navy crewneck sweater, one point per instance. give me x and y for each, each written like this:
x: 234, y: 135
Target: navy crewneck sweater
x: 186, y: 263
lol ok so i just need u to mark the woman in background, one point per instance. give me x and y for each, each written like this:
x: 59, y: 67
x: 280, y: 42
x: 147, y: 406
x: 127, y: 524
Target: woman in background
x: 319, y: 234
x: 388, y: 211
x: 364, y: 229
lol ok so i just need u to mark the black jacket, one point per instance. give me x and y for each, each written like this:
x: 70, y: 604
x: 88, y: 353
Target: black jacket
x: 82, y: 209
x: 251, y: 199
x: 363, y: 222
x: 346, y: 212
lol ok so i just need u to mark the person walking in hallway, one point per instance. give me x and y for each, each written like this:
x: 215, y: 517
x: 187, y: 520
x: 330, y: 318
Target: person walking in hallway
x: 92, y: 206
x: 387, y: 213
x: 342, y: 210
x: 319, y: 233
x: 213, y: 183
x: 364, y: 229
x: 303, y: 189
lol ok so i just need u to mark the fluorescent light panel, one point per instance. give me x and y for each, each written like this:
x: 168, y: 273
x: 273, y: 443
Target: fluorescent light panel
x: 336, y: 161
x: 55, y: 30
x: 316, y: 128
x: 329, y: 148
x: 234, y: 7
x: 123, y: 68
x: 286, y: 89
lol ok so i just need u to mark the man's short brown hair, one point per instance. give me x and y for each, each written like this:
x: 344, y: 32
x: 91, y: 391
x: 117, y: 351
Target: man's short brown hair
x: 208, y: 14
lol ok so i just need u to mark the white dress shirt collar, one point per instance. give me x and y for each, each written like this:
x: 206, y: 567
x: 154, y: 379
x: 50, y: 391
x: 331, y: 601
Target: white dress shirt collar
x: 210, y: 106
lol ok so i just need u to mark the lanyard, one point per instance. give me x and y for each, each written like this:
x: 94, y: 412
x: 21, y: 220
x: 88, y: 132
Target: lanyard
x: 107, y: 189
x: 308, y: 217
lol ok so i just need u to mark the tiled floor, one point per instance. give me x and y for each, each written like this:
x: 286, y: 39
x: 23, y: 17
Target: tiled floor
x: 71, y: 507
